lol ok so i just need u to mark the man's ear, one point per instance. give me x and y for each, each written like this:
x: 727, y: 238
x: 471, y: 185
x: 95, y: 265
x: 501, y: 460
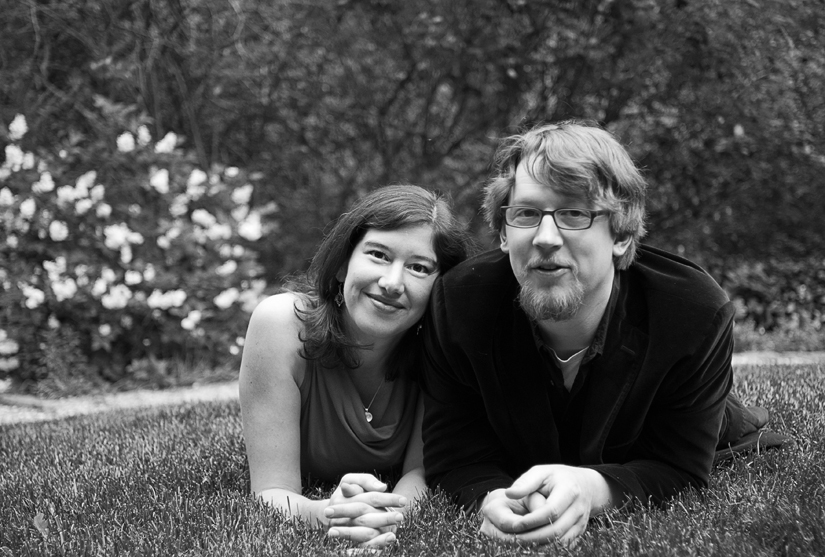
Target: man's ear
x: 502, y: 236
x: 620, y: 245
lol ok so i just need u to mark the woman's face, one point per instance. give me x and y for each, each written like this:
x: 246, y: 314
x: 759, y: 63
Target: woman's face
x: 387, y: 282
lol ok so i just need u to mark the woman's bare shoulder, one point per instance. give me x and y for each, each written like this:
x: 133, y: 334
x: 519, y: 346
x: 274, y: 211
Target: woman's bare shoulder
x: 273, y: 337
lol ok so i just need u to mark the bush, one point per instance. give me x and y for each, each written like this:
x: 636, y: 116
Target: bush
x: 786, y: 296
x: 118, y: 249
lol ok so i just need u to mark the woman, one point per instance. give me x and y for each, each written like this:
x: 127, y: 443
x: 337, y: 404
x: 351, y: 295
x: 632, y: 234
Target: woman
x: 327, y: 380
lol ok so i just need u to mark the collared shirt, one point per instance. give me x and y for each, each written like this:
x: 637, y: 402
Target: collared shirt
x: 568, y: 406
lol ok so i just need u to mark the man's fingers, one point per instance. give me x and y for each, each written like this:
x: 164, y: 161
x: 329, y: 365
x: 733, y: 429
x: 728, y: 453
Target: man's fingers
x: 566, y: 529
x: 363, y: 504
x: 527, y: 483
x: 367, y: 482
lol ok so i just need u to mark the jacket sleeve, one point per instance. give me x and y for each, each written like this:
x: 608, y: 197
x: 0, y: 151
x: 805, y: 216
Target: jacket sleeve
x: 462, y: 453
x: 675, y: 448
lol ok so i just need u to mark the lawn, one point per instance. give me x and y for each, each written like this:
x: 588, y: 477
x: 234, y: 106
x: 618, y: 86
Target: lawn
x: 174, y: 482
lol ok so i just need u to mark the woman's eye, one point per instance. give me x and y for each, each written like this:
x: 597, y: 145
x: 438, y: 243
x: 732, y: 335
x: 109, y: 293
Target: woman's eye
x: 378, y: 254
x: 421, y: 269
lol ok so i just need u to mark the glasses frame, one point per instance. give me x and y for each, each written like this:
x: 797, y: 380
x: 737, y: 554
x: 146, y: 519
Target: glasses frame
x: 593, y: 214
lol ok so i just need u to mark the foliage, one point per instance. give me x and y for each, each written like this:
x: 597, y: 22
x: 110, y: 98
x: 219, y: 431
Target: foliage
x: 120, y: 251
x: 315, y: 103
x: 175, y: 481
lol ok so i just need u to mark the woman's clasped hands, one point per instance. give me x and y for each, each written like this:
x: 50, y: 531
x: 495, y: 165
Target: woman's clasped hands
x: 361, y: 510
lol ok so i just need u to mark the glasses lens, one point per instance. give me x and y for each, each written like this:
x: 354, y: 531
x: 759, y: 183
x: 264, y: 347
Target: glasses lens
x: 524, y: 217
x: 573, y: 219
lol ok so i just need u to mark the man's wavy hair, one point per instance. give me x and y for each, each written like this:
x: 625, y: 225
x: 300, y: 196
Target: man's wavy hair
x: 386, y: 208
x: 579, y: 159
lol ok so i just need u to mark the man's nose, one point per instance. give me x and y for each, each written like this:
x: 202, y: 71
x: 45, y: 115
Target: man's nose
x: 547, y: 233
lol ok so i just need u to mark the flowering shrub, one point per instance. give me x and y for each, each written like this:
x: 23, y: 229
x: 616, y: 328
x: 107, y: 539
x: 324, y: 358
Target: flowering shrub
x: 120, y: 249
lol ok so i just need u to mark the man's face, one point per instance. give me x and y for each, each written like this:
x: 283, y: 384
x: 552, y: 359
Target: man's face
x: 561, y: 272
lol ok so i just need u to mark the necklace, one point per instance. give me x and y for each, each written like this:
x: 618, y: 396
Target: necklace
x: 367, y: 413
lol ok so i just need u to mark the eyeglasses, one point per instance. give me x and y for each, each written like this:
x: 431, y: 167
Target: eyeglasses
x: 520, y: 216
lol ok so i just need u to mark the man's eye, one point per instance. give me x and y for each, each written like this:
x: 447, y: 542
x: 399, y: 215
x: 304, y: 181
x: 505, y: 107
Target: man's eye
x: 527, y: 213
x: 577, y: 213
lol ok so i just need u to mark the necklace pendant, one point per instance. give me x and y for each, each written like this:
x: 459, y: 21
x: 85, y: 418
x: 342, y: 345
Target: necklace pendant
x: 367, y: 415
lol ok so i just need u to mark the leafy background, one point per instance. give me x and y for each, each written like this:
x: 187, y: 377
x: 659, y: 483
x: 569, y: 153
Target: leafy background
x: 190, y: 153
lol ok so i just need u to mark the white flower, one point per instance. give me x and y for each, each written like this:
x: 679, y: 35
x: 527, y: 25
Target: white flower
x: 234, y: 350
x: 55, y: 268
x: 231, y: 171
x: 165, y: 300
x: 18, y: 128
x: 187, y: 324
x: 58, y: 231
x: 100, y: 287
x: 227, y: 298
x: 108, y: 275
x: 242, y: 195
x: 163, y: 242
x: 178, y: 207
x: 133, y: 277
x: 105, y: 330
x: 8, y: 346
x: 203, y: 218
x: 9, y: 364
x: 84, y: 183
x: 64, y: 288
x: 103, y: 210
x: 239, y: 213
x: 12, y: 241
x: 28, y: 161
x: 160, y: 181
x: 251, y: 228
x: 96, y: 193
x: 14, y: 157
x: 119, y: 235
x: 83, y: 206
x: 34, y: 296
x: 227, y: 268
x: 167, y: 144
x: 194, y: 185
x: 251, y: 296
x: 44, y: 185
x: 125, y: 142
x: 149, y: 273
x: 144, y: 137
x: 65, y: 195
x: 238, y: 251
x: 220, y: 231
x: 6, y: 197
x: 117, y: 297
x: 126, y: 254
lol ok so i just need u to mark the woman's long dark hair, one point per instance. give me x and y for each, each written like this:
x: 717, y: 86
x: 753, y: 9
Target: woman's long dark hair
x: 387, y: 208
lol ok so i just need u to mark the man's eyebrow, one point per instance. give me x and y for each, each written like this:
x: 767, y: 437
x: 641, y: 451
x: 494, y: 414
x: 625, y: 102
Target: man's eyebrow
x: 379, y: 245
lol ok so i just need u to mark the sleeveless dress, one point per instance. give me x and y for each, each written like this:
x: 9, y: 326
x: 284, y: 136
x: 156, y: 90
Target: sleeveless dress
x: 336, y: 437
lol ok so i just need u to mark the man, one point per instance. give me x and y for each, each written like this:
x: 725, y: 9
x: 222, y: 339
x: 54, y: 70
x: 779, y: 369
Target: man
x: 592, y: 370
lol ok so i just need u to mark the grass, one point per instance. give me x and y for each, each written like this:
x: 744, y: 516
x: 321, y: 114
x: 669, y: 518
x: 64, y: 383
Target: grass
x: 174, y: 482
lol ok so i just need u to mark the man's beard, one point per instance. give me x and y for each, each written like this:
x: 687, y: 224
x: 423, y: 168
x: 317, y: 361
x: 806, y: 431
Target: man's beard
x: 546, y: 305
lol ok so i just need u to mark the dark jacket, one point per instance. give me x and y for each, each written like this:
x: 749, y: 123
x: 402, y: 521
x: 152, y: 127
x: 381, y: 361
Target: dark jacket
x: 654, y: 397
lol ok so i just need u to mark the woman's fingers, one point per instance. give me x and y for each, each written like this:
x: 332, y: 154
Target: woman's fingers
x: 371, y: 520
x: 357, y: 534
x: 360, y: 504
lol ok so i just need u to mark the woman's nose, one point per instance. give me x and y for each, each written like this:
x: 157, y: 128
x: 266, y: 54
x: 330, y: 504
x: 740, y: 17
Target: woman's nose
x: 393, y: 279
